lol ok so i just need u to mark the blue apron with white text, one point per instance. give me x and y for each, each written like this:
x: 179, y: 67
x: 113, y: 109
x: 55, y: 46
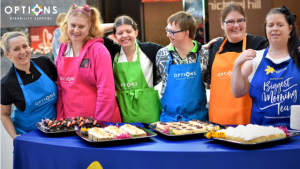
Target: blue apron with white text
x: 273, y: 90
x: 40, y: 97
x: 184, y: 98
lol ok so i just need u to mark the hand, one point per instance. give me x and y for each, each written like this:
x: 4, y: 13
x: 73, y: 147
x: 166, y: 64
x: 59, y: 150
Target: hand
x: 299, y: 49
x: 16, y: 136
x: 208, y: 45
x: 245, y: 56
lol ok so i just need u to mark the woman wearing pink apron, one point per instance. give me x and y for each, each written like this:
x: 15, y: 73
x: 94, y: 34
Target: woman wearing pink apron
x: 85, y: 77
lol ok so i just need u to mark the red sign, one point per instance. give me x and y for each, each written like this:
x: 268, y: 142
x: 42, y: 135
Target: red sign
x: 41, y: 39
x: 161, y: 0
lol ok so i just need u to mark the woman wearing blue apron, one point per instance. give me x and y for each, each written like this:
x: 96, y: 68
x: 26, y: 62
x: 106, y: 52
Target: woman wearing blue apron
x: 29, y: 85
x: 273, y: 74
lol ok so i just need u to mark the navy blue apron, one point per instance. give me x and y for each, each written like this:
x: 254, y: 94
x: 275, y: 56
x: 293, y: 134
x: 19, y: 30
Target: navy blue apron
x: 40, y: 97
x: 185, y: 95
x: 273, y: 90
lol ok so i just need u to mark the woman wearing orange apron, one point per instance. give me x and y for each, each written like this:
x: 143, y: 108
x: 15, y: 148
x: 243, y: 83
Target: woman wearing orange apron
x: 223, y: 107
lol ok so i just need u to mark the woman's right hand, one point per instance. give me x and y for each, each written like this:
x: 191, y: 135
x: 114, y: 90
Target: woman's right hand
x: 245, y: 56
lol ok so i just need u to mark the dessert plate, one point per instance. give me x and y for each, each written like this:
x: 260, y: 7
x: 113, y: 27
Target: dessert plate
x: 153, y: 127
x: 293, y: 134
x: 44, y: 129
x: 149, y: 134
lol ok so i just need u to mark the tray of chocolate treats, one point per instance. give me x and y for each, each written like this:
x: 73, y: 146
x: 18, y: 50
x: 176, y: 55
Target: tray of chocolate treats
x: 251, y: 134
x: 113, y: 133
x: 184, y: 128
x: 70, y: 124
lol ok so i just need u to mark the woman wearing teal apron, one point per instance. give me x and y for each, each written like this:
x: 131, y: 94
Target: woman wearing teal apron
x: 134, y: 73
x: 29, y: 85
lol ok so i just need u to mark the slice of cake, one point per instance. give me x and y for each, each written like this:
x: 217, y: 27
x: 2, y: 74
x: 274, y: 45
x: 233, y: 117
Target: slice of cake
x: 132, y: 130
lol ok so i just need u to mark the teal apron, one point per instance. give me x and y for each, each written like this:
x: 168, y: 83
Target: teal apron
x: 185, y: 95
x: 40, y: 97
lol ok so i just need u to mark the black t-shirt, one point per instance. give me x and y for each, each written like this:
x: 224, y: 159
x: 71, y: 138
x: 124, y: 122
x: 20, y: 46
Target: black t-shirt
x: 252, y: 42
x: 11, y: 92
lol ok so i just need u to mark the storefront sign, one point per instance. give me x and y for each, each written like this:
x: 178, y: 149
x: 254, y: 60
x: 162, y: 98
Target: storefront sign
x: 30, y: 13
x: 160, y: 0
x: 197, y: 9
x: 41, y: 39
x: 256, y: 11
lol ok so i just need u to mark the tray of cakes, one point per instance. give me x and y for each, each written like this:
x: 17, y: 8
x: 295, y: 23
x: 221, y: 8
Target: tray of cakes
x: 114, y: 133
x: 251, y: 134
x: 183, y: 128
x: 70, y: 124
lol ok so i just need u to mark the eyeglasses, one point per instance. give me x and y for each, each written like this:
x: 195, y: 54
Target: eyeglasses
x: 232, y: 22
x: 172, y: 33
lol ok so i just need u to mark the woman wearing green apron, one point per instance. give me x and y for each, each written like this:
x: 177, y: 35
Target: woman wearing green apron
x: 134, y: 73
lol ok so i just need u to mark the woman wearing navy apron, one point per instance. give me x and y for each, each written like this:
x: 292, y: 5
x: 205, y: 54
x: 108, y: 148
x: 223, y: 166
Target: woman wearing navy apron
x: 271, y: 76
x: 29, y: 85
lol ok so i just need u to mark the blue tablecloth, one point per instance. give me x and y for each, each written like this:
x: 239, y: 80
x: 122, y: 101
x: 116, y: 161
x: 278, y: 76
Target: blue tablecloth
x: 36, y: 150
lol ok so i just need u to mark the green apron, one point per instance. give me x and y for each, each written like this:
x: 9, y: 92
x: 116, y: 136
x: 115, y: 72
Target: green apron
x: 137, y: 102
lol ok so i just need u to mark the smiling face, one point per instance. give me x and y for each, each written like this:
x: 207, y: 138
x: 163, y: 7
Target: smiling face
x: 19, y: 51
x: 126, y: 35
x: 78, y: 28
x: 277, y: 29
x: 237, y: 31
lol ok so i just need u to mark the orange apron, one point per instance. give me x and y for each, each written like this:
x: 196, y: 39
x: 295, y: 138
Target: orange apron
x: 224, y: 108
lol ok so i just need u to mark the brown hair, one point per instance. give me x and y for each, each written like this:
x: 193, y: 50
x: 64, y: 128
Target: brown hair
x: 9, y: 35
x: 60, y: 18
x: 124, y: 19
x: 232, y: 6
x: 185, y: 22
x: 96, y: 30
x: 294, y: 40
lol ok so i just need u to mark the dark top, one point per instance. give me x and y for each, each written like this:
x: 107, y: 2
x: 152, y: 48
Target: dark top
x: 150, y: 49
x: 252, y: 42
x: 11, y: 92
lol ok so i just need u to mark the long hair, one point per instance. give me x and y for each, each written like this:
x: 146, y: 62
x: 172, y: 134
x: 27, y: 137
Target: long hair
x: 293, y: 42
x: 96, y: 30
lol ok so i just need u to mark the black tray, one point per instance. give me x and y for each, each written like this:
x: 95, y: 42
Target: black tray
x: 159, y: 131
x: 293, y: 134
x: 149, y: 134
x: 48, y: 132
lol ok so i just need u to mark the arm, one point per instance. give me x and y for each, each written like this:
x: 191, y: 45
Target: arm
x: 208, y: 45
x: 59, y: 104
x: 239, y: 80
x: 113, y: 37
x: 7, y: 122
x: 107, y: 27
x: 204, y: 66
x: 105, y: 85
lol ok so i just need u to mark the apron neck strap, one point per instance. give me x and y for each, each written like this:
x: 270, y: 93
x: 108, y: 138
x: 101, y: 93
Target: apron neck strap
x: 138, y: 53
x: 266, y: 51
x: 244, y: 44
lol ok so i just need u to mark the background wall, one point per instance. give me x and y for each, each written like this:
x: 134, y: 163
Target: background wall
x: 156, y: 15
x: 293, y: 6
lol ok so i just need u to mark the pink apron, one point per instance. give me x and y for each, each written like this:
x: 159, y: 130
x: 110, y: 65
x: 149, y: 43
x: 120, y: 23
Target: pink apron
x: 79, y: 98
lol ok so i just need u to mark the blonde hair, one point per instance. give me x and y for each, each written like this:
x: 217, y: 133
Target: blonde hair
x: 60, y: 18
x: 96, y: 30
x: 9, y: 35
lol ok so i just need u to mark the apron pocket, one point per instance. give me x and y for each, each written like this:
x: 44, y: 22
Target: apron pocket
x: 140, y: 106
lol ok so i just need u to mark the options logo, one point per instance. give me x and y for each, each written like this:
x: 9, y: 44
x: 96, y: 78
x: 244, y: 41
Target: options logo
x: 35, y: 10
x: 39, y: 10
